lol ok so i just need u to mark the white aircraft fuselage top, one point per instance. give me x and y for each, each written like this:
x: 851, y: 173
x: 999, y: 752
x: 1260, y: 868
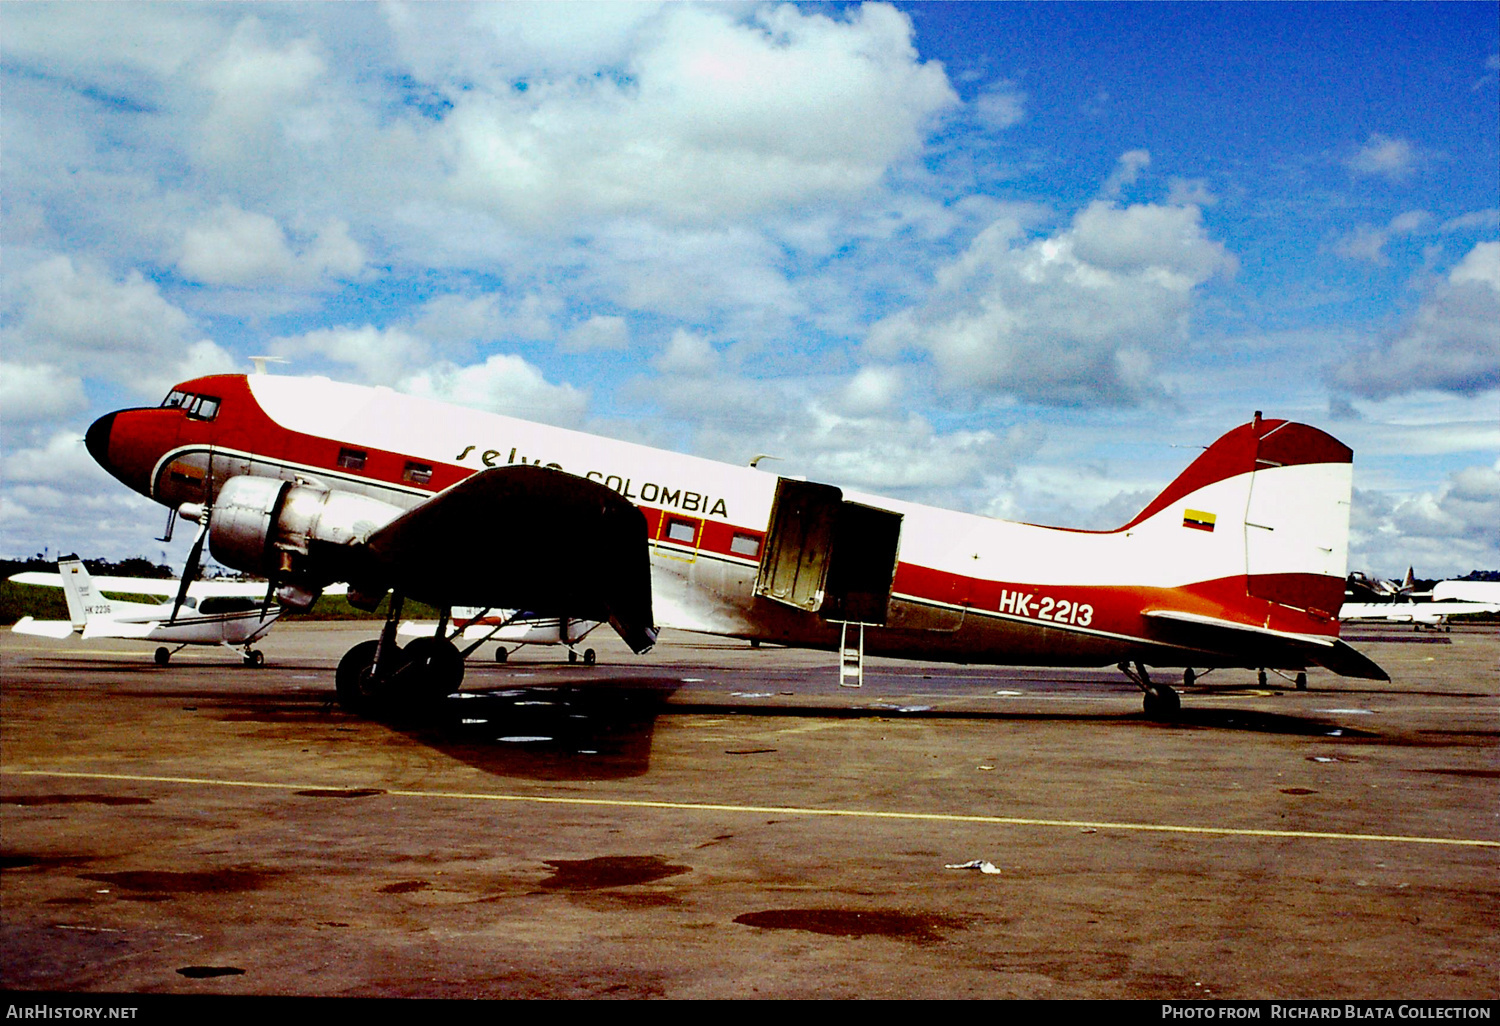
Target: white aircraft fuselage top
x: 1267, y: 505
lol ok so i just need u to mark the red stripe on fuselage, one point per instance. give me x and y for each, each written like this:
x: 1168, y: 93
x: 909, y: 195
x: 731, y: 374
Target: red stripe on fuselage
x: 243, y: 425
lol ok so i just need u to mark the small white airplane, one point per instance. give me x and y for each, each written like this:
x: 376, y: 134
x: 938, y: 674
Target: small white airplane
x: 1239, y: 562
x: 1419, y: 608
x: 225, y: 613
x: 513, y: 627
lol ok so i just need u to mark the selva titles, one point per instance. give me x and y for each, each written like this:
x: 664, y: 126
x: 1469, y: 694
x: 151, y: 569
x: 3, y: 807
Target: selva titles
x: 651, y: 493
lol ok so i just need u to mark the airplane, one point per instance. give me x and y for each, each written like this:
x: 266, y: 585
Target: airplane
x: 1418, y: 608
x: 510, y: 626
x: 206, y: 613
x: 1239, y: 562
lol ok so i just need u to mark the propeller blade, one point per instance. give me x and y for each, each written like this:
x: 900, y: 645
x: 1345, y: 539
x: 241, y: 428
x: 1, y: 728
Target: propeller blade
x: 190, y: 571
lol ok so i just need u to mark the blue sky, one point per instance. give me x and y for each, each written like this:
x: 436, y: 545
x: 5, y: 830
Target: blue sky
x: 1018, y: 259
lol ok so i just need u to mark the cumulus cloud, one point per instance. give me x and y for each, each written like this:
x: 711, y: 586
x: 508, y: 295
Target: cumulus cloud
x: 1385, y: 157
x: 380, y: 355
x: 37, y: 392
x: 1451, y: 343
x: 122, y: 329
x: 596, y: 334
x: 241, y: 248
x: 504, y: 383
x: 1445, y: 532
x: 718, y: 112
x: 1079, y: 315
x: 1367, y: 242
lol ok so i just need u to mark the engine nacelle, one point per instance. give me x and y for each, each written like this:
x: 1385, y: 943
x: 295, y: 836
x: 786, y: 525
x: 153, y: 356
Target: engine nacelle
x: 302, y: 535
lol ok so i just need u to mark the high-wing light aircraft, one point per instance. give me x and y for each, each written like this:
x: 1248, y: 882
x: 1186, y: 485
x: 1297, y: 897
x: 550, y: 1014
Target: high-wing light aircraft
x: 1239, y: 562
x: 514, y: 627
x: 1418, y: 608
x: 239, y: 620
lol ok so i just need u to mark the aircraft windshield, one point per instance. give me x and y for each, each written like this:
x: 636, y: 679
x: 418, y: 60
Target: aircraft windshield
x: 199, y: 407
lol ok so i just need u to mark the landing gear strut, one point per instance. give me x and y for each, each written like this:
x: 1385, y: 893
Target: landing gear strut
x: 377, y: 676
x: 1161, y: 700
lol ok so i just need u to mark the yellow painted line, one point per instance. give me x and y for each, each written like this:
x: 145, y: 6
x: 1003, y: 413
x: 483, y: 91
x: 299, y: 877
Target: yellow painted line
x: 780, y: 810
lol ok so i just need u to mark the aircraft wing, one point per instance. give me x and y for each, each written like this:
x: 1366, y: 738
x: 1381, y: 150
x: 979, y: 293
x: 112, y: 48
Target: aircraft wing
x: 166, y: 587
x: 1215, y: 633
x: 522, y: 537
x: 43, y: 628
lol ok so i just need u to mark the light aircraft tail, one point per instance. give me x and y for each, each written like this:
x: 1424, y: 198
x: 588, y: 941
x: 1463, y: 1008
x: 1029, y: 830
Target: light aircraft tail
x: 1254, y: 539
x: 78, y: 587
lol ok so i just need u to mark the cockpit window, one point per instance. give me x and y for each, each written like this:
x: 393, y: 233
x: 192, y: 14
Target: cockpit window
x: 199, y: 407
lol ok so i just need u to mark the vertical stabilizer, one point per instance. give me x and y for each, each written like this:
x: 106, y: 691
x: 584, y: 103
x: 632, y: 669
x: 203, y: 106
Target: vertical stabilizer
x: 78, y: 587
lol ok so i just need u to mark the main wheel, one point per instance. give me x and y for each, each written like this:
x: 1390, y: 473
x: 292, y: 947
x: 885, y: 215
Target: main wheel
x: 1162, y: 703
x: 255, y: 659
x: 355, y: 678
x: 588, y: 657
x: 501, y: 654
x: 434, y: 668
x: 163, y: 656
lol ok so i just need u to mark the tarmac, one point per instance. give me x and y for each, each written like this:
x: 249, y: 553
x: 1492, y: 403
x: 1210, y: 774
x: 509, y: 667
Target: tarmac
x: 712, y: 820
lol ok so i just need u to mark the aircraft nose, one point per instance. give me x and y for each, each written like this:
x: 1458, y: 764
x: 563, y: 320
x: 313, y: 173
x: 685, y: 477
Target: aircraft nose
x: 97, y: 439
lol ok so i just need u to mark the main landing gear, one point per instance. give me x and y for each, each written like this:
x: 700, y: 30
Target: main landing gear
x: 381, y: 676
x: 1161, y: 700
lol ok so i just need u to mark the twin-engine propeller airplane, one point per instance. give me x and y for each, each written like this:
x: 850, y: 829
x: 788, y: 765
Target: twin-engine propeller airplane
x: 1240, y: 562
x: 205, y: 613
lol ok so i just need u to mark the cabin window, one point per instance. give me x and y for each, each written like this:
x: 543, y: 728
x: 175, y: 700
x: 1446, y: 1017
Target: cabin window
x: 352, y: 459
x: 416, y: 473
x: 684, y: 531
x: 743, y: 544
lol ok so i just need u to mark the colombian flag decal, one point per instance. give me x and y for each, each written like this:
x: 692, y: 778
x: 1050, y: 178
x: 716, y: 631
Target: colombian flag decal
x: 1198, y: 519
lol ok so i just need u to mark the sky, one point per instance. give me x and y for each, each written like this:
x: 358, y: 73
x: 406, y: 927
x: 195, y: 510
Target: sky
x: 1023, y: 260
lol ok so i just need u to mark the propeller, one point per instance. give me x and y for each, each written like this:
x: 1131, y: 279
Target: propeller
x: 202, y: 512
x: 195, y: 557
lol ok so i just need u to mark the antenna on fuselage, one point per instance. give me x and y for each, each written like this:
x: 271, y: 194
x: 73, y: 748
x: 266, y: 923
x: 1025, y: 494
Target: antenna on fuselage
x: 260, y: 362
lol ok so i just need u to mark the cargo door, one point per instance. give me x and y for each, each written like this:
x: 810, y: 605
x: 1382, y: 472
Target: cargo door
x: 794, y: 562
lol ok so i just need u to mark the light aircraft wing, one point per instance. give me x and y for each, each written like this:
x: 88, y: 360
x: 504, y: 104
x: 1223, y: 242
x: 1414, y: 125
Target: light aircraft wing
x: 43, y: 628
x: 163, y: 586
x: 523, y: 536
x: 1218, y: 634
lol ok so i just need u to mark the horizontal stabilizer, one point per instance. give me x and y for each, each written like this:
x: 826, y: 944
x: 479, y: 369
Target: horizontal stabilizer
x: 1214, y: 633
x: 119, y: 629
x: 43, y: 628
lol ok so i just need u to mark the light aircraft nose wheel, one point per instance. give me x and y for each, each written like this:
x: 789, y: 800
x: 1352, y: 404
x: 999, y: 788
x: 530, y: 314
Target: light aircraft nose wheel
x: 163, y: 656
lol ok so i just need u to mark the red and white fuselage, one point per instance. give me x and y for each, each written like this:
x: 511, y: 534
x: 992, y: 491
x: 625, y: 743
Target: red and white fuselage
x: 1241, y: 561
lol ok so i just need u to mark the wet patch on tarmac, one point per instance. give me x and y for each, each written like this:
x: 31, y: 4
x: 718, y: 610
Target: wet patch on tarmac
x: 1297, y: 790
x: 71, y: 799
x: 13, y: 860
x: 203, y: 972
x: 348, y: 792
x: 610, y: 871
x: 834, y: 922
x: 405, y: 887
x: 211, y: 881
x: 1261, y: 722
x: 1483, y: 774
